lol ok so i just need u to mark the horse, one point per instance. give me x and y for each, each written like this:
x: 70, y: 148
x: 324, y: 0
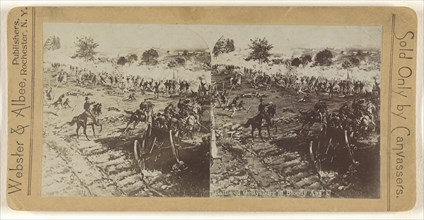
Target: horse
x: 309, y: 118
x: 271, y: 111
x: 256, y: 123
x: 136, y: 117
x: 83, y: 120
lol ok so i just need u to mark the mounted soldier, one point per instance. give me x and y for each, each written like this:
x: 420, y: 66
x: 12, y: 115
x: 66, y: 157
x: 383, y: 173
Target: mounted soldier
x: 262, y: 110
x: 87, y: 108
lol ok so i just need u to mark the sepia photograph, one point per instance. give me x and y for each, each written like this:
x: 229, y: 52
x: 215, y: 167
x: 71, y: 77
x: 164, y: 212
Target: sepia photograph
x: 296, y: 111
x: 126, y: 111
x: 211, y: 109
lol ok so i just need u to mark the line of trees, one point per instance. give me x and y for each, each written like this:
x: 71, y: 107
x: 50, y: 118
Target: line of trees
x: 260, y: 51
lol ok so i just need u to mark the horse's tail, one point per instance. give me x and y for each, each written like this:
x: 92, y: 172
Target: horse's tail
x: 248, y: 123
x: 74, y: 120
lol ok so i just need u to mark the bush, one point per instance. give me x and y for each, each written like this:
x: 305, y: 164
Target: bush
x: 323, y: 58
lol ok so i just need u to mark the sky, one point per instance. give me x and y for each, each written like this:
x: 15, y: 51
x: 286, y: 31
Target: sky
x: 117, y: 38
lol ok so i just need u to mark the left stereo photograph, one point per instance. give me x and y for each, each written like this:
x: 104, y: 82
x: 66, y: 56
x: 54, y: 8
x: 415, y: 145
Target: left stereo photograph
x: 101, y: 84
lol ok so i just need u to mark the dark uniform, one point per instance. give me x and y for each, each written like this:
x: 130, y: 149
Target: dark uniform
x: 87, y: 106
x: 261, y: 108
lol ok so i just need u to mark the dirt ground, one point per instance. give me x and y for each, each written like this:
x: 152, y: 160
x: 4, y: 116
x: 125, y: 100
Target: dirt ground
x: 281, y: 165
x: 105, y: 165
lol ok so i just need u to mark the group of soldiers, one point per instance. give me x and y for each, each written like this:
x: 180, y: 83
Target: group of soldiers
x: 127, y: 83
x: 358, y: 119
x: 183, y: 117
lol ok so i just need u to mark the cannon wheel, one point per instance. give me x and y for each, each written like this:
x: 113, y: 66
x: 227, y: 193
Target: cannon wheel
x: 314, y: 155
x: 139, y: 154
x: 175, y: 150
x: 319, y: 153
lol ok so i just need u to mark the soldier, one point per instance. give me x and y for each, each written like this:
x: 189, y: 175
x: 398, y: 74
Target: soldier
x: 241, y: 105
x: 59, y: 101
x: 169, y: 110
x: 180, y: 104
x: 156, y: 89
x: 187, y: 86
x: 174, y: 86
x: 66, y: 103
x: 321, y: 108
x: 167, y: 84
x: 49, y: 93
x: 223, y: 98
x: 131, y: 97
x: 261, y: 108
x: 344, y: 110
x: 232, y: 105
x: 182, y: 86
x: 87, y: 110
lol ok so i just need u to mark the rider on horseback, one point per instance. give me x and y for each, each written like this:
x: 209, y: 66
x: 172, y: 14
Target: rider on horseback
x: 261, y: 108
x: 87, y: 108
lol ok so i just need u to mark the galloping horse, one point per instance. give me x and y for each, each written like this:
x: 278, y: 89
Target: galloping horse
x: 85, y: 119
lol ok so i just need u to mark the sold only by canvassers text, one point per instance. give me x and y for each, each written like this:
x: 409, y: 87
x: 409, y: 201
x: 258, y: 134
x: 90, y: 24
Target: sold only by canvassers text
x: 400, y: 108
x: 18, y: 103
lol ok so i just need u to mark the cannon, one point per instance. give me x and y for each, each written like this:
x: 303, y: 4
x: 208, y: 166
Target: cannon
x: 155, y: 140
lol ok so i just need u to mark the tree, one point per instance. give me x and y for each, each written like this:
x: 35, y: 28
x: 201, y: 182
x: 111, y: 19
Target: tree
x: 260, y: 50
x: 85, y: 48
x: 218, y: 48
x: 323, y: 58
x: 132, y: 58
x: 122, y: 61
x: 350, y: 63
x: 178, y: 61
x: 296, y: 62
x: 150, y: 57
x: 52, y: 43
x: 306, y: 59
x: 229, y: 46
x: 223, y: 46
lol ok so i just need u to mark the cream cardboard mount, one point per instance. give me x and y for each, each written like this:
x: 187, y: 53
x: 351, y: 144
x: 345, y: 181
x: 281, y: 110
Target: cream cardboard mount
x: 211, y: 108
